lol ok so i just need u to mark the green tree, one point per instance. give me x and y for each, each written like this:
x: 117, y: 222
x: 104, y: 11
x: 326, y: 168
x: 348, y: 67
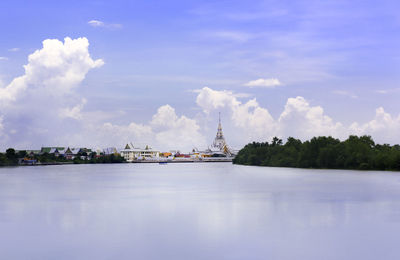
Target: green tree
x: 322, y: 152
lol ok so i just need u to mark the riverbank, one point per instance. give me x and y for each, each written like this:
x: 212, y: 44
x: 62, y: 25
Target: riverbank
x: 355, y: 153
x: 217, y: 159
x: 208, y: 160
x: 13, y: 159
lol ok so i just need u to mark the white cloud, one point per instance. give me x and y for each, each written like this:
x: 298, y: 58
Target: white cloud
x: 165, y: 131
x: 209, y: 99
x: 384, y: 127
x: 3, y: 58
x: 74, y: 112
x: 303, y: 121
x: 13, y: 49
x: 298, y: 119
x: 264, y: 83
x: 256, y: 120
x: 180, y: 132
x: 37, y: 103
x: 165, y: 117
x: 56, y: 68
x: 98, y: 23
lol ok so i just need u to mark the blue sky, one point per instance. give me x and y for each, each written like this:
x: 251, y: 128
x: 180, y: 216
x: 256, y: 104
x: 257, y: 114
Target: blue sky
x: 341, y: 56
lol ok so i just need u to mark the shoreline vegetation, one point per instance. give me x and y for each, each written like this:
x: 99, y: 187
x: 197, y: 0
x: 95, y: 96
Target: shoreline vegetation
x: 355, y: 153
x: 13, y: 158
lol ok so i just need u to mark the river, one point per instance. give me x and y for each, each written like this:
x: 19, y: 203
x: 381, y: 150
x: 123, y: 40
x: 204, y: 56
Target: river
x: 197, y: 211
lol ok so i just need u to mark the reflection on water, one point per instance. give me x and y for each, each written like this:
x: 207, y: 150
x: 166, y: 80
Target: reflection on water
x: 197, y: 211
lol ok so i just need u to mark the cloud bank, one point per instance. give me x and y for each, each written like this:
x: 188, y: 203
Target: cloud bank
x: 298, y: 119
x: 44, y: 107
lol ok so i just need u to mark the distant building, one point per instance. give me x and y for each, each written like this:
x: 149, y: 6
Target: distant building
x: 219, y: 141
x: 131, y: 153
x: 52, y: 150
x: 72, y: 153
x: 32, y: 152
x: 110, y: 150
x: 219, y: 148
x: 166, y: 154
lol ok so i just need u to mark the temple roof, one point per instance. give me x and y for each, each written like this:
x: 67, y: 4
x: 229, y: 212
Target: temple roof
x: 219, y: 141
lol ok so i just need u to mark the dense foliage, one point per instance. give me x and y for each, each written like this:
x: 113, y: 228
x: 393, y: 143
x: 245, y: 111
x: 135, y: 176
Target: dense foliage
x: 322, y: 152
x: 8, y: 158
x: 12, y: 158
x: 112, y: 158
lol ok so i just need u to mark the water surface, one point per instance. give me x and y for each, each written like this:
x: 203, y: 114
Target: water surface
x: 197, y: 211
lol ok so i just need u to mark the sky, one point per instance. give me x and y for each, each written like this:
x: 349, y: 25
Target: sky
x: 104, y: 73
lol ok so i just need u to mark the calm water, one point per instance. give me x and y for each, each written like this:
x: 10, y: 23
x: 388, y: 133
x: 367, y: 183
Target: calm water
x: 197, y: 211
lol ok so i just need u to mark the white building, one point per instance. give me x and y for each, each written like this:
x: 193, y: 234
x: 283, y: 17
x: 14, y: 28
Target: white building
x: 131, y: 153
x: 219, y: 147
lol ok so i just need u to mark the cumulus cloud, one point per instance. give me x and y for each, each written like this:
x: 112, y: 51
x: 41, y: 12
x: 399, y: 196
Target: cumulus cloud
x: 98, y: 23
x: 165, y: 131
x: 301, y: 120
x: 256, y: 120
x: 165, y: 117
x: 263, y: 83
x: 74, y: 112
x: 209, y: 99
x: 383, y: 125
x: 56, y: 68
x: 298, y: 119
x: 181, y: 132
x: 34, y: 105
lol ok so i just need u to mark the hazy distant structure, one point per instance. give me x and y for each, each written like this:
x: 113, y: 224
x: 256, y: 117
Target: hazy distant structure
x: 132, y: 153
x: 219, y: 141
x: 219, y: 146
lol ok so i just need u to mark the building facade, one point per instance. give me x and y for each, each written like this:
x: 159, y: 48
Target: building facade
x: 131, y: 153
x: 219, y: 148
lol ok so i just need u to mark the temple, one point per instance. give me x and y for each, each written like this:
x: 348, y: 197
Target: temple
x: 219, y: 141
x: 219, y: 146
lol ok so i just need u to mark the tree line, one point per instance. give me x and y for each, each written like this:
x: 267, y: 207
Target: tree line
x: 13, y: 158
x: 322, y: 152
